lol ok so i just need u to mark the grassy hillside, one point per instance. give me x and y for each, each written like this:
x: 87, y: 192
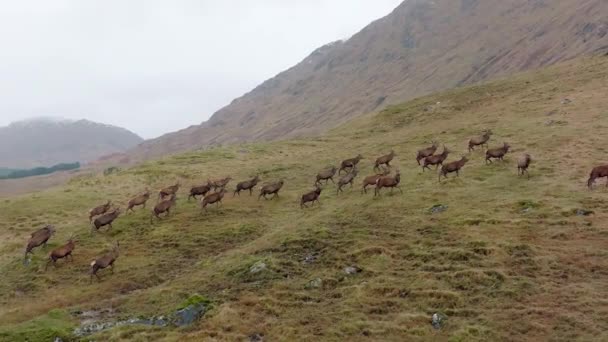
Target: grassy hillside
x: 508, y: 260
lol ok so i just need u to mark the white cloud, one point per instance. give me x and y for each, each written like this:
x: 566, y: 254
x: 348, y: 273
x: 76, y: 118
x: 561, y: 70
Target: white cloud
x: 157, y: 66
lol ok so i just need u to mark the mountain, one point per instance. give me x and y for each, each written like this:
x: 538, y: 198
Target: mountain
x: 48, y: 141
x: 421, y: 47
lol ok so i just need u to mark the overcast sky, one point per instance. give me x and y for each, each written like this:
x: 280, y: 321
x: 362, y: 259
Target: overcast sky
x: 157, y: 66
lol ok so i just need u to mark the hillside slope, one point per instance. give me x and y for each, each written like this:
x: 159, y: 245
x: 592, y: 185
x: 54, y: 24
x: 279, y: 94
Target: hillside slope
x: 509, y: 258
x: 422, y: 47
x: 46, y: 142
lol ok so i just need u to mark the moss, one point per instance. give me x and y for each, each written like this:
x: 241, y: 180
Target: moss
x: 56, y: 323
x: 195, y: 299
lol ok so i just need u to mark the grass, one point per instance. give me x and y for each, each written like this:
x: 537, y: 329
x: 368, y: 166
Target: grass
x: 507, y: 260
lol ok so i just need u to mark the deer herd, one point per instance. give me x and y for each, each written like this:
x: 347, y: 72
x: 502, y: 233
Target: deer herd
x: 213, y: 192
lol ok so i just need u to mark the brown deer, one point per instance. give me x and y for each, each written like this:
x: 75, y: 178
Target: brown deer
x: 220, y: 183
x: 436, y: 159
x: 105, y: 261
x: 384, y: 160
x: 371, y: 180
x: 168, y: 191
x: 426, y: 152
x: 312, y: 196
x: 350, y: 163
x: 454, y: 166
x: 64, y: 251
x: 215, y: 197
x: 326, y: 175
x: 200, y: 190
x: 597, y: 172
x: 246, y: 185
x: 138, y: 200
x: 480, y: 140
x: 523, y: 164
x: 497, y: 153
x: 163, y: 207
x: 99, y: 210
x: 388, y: 182
x: 106, y: 219
x: 38, y: 238
x: 271, y: 189
x: 348, y: 179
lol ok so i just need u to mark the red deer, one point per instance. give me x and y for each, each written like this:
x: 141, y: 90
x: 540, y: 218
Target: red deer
x: 326, y: 175
x: 454, y: 166
x: 106, y: 219
x: 105, y: 261
x: 38, y: 238
x: 271, y: 189
x: 246, y: 185
x: 388, y: 182
x: 163, y: 207
x: 436, y: 159
x: 429, y: 151
x: 64, y: 251
x: 138, y: 200
x: 348, y: 179
x: 350, y: 163
x: 371, y: 180
x: 99, y: 210
x: 220, y: 183
x: 168, y: 191
x: 312, y: 196
x: 200, y: 190
x: 215, y: 197
x: 480, y: 141
x: 497, y: 153
x: 523, y: 163
x: 597, y: 172
x: 384, y: 160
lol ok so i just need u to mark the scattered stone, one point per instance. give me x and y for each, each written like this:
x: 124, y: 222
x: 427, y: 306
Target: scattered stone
x: 553, y: 112
x: 566, y: 101
x: 352, y: 270
x: 438, y: 208
x: 256, y: 337
x: 437, y: 320
x: 314, y: 284
x: 57, y: 339
x: 584, y: 212
x: 258, y: 267
x: 555, y: 122
x: 189, y: 314
x: 309, y: 259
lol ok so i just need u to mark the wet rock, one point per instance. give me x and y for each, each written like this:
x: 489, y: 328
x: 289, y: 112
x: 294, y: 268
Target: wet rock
x: 314, y: 284
x: 256, y: 338
x: 438, y: 208
x: 583, y: 212
x: 258, y: 267
x: 352, y: 270
x: 438, y: 320
x: 189, y: 314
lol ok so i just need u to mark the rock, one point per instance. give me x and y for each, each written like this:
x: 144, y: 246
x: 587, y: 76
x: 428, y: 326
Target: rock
x: 437, y: 320
x: 566, y: 101
x: 438, y: 208
x: 256, y: 337
x: 352, y: 270
x: 314, y: 284
x: 57, y: 339
x: 584, y: 212
x: 309, y: 259
x: 258, y: 267
x: 553, y: 112
x: 189, y: 314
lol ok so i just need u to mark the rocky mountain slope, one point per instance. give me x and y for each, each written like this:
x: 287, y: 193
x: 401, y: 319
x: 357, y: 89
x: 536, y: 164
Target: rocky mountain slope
x: 45, y: 142
x: 421, y: 47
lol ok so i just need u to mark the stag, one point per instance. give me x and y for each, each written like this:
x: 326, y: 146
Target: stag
x: 371, y: 180
x: 523, y: 164
x: 312, y: 196
x: 350, y: 163
x: 246, y: 185
x: 348, y: 179
x: 215, y: 197
x: 106, y: 219
x: 138, y: 200
x: 454, y: 166
x: 271, y: 189
x: 38, y: 238
x: 497, y: 153
x: 436, y: 159
x: 105, y: 261
x: 220, y: 183
x: 597, y: 172
x: 480, y: 140
x: 426, y: 152
x: 384, y: 160
x: 163, y: 207
x: 168, y: 191
x: 200, y: 190
x: 99, y: 210
x: 388, y: 182
x: 64, y: 251
x: 326, y: 175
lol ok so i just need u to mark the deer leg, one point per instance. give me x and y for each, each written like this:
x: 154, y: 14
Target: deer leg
x: 457, y: 173
x: 331, y: 179
x: 398, y: 187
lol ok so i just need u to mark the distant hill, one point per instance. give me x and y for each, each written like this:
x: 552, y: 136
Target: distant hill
x: 421, y: 47
x: 47, y: 141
